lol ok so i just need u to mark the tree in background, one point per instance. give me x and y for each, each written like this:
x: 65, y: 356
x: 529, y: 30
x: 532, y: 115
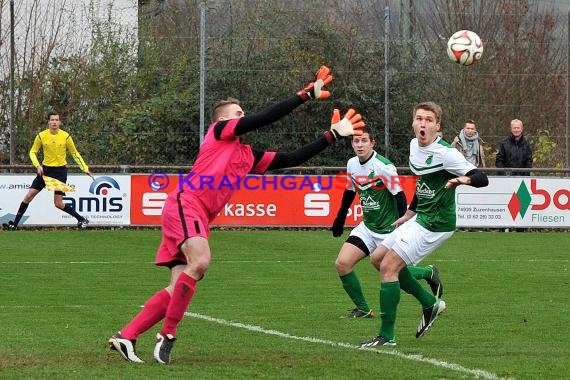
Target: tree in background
x: 522, y: 73
x: 138, y: 90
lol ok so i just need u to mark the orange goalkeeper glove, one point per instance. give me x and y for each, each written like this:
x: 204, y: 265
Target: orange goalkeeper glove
x: 314, y: 90
x: 351, y: 124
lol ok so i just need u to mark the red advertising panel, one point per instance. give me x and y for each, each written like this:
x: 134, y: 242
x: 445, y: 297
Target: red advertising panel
x: 269, y: 200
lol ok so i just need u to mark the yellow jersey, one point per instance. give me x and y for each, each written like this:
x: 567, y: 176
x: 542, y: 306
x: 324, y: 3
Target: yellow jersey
x: 55, y: 148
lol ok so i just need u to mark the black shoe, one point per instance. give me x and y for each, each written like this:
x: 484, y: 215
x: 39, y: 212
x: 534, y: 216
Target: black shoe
x: 429, y: 316
x: 434, y: 282
x: 377, y: 341
x: 82, y: 224
x: 163, y: 348
x: 126, y: 347
x: 357, y: 313
x: 10, y: 226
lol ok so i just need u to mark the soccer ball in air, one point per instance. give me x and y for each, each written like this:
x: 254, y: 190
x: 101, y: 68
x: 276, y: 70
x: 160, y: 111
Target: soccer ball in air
x: 465, y: 47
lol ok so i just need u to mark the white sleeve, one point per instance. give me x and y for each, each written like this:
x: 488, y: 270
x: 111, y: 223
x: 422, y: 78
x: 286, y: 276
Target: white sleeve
x: 393, y: 179
x: 455, y: 163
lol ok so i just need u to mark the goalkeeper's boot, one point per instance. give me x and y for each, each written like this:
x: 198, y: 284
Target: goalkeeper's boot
x: 434, y: 282
x: 163, y: 348
x: 429, y: 316
x: 377, y: 341
x: 10, y: 226
x: 126, y: 347
x: 82, y: 224
x: 357, y: 313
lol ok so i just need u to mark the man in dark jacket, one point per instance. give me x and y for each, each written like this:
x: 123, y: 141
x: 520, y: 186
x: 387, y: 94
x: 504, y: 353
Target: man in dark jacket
x: 514, y: 151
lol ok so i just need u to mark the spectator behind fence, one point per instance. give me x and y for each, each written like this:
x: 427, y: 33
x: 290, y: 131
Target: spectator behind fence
x: 470, y: 144
x: 514, y: 151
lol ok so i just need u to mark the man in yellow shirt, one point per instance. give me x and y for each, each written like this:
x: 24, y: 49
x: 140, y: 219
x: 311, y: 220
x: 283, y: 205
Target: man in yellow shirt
x: 55, y: 144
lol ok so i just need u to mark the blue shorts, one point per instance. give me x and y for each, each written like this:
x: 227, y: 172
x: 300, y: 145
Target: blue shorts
x: 57, y: 172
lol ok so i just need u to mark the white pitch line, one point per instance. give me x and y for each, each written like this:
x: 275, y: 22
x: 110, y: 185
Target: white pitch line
x: 476, y: 373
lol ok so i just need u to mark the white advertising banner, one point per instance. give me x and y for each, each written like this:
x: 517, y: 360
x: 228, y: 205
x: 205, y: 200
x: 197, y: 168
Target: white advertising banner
x: 105, y: 201
x: 515, y: 202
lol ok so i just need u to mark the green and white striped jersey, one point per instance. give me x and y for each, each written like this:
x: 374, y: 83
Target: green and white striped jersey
x: 434, y: 165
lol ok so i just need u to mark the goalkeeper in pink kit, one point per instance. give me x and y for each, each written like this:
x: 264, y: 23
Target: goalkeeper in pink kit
x: 188, y: 211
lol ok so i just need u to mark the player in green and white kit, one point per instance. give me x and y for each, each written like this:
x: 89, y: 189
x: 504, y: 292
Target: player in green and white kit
x: 441, y: 169
x: 376, y: 180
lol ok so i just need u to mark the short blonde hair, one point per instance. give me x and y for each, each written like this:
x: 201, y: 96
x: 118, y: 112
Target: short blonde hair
x: 217, y: 110
x: 432, y: 107
x: 516, y: 121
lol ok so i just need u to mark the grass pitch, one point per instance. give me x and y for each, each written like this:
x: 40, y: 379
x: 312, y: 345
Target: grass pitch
x: 272, y: 307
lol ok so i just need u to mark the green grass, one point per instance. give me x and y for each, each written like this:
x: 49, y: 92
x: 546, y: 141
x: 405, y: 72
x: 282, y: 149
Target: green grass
x: 271, y: 307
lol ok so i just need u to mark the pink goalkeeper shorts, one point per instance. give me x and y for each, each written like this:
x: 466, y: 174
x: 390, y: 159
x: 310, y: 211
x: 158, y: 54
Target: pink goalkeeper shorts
x: 183, y: 217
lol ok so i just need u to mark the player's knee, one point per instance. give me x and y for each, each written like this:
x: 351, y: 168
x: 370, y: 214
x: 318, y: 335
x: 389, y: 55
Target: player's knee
x: 200, y: 267
x: 342, y: 266
x: 389, y: 268
x: 29, y: 197
x: 376, y: 260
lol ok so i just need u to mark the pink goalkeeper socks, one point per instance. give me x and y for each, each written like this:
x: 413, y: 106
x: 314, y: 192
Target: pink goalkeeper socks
x: 153, y: 312
x: 181, y: 297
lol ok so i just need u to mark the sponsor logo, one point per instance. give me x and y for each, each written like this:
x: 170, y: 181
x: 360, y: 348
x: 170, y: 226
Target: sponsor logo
x: 316, y: 204
x: 522, y: 200
x: 152, y: 203
x: 369, y: 203
x: 424, y: 191
x: 101, y: 201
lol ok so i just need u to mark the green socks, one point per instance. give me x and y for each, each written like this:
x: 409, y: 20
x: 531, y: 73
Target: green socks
x: 352, y: 287
x: 420, y: 273
x: 389, y: 299
x: 410, y: 285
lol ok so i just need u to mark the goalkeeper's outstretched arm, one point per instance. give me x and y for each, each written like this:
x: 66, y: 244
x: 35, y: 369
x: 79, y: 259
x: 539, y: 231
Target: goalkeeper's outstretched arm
x: 267, y: 116
x: 299, y: 156
x: 313, y: 90
x: 350, y: 125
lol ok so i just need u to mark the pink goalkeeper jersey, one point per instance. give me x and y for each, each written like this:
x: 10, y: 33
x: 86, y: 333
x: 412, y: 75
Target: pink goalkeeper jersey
x: 220, y: 165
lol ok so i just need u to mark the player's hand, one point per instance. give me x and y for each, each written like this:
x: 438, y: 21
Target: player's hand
x: 40, y: 170
x: 338, y: 226
x: 314, y: 90
x: 351, y: 124
x: 454, y: 182
x: 404, y: 218
x: 398, y: 222
x: 90, y: 175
